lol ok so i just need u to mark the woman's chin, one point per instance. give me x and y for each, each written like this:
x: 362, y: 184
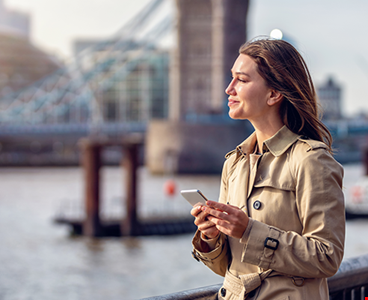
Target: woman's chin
x: 236, y: 116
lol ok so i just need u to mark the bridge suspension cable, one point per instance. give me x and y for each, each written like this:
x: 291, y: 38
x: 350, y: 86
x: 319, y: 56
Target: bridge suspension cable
x: 87, y: 74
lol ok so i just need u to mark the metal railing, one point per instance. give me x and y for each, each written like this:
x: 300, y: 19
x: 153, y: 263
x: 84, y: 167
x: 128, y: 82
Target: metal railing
x: 349, y: 283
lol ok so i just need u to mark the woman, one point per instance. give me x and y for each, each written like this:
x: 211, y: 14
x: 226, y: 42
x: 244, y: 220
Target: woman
x: 278, y: 229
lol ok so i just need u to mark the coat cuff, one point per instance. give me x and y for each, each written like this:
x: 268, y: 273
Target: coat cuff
x: 245, y: 237
x: 207, y: 257
x: 212, y: 243
x: 261, y: 243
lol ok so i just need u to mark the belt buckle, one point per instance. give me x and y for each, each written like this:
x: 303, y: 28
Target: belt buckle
x: 272, y: 240
x: 298, y: 281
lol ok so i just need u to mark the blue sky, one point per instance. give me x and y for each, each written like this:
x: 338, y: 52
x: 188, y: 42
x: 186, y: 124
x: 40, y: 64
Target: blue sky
x: 331, y: 35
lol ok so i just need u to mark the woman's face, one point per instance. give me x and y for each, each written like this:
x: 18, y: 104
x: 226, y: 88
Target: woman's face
x: 248, y: 92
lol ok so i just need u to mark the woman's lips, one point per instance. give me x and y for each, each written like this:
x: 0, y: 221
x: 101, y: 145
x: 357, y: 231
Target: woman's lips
x: 232, y: 102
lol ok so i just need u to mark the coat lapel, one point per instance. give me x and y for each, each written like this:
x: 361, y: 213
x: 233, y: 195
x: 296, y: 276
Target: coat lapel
x: 241, y: 180
x: 253, y: 161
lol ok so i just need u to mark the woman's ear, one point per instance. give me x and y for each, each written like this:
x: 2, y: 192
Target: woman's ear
x: 275, y: 98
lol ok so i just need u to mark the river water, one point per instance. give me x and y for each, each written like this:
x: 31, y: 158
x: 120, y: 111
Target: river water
x: 41, y: 260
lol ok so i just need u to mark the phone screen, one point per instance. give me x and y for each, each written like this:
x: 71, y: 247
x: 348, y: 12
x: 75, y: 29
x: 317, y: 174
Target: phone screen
x: 194, y: 197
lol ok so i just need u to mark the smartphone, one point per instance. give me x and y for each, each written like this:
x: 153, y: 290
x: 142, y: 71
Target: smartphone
x: 194, y: 197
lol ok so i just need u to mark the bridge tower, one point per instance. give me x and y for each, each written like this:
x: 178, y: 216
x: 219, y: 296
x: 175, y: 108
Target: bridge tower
x: 209, y: 34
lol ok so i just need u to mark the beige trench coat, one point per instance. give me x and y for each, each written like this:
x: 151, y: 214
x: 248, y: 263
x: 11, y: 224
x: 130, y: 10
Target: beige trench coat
x: 295, y: 237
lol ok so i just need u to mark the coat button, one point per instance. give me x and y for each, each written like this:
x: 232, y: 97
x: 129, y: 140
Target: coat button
x: 223, y: 292
x: 257, y: 204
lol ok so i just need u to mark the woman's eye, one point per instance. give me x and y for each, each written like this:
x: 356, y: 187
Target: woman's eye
x: 238, y: 79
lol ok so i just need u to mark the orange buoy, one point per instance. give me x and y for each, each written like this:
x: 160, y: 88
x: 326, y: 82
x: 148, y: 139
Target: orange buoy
x: 357, y: 194
x: 170, y: 187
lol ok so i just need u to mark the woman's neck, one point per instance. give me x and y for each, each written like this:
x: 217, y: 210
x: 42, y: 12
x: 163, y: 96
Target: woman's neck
x: 264, y: 132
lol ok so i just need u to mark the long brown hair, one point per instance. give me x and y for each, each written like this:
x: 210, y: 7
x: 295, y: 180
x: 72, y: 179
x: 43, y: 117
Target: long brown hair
x: 284, y: 69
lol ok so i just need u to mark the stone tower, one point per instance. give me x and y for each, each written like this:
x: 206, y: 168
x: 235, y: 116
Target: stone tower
x: 209, y: 34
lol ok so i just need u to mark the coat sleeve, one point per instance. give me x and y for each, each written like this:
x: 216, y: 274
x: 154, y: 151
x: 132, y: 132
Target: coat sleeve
x: 219, y: 258
x: 316, y: 252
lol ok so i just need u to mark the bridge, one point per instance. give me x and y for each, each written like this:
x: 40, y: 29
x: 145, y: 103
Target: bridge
x: 76, y: 98
x: 116, y: 87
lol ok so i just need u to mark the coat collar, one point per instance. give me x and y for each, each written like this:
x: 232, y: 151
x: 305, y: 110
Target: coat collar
x: 276, y: 144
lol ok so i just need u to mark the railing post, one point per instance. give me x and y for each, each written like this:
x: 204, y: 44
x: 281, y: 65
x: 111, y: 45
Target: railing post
x: 91, y: 165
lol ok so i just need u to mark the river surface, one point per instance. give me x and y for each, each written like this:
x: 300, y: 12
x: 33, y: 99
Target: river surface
x: 40, y: 260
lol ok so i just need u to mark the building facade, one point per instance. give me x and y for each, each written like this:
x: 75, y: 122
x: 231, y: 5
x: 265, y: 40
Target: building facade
x: 14, y: 21
x: 329, y: 95
x: 22, y: 64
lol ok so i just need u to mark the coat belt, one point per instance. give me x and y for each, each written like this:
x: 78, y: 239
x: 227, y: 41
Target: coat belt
x: 244, y: 284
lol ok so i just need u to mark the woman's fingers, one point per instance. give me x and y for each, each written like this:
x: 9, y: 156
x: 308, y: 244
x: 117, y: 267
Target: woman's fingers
x: 227, y: 208
x: 221, y: 214
x: 203, y: 225
x: 229, y: 219
x: 196, y: 210
x: 207, y: 227
x: 211, y: 232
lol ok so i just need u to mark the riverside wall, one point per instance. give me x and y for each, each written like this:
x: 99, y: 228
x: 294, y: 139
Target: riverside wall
x: 178, y: 147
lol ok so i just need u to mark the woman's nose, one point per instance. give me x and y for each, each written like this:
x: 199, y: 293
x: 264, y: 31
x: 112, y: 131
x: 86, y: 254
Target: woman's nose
x: 230, y: 88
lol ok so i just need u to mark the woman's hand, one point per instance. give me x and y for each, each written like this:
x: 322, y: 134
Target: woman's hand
x: 228, y: 219
x: 205, y: 226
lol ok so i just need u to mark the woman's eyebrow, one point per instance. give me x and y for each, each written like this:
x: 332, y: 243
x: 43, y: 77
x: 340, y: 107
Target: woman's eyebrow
x: 241, y: 73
